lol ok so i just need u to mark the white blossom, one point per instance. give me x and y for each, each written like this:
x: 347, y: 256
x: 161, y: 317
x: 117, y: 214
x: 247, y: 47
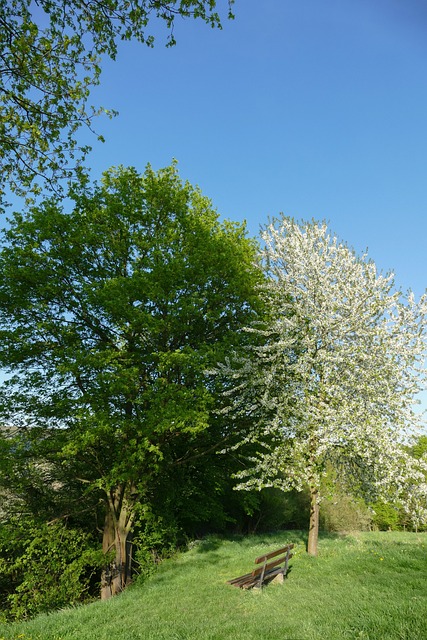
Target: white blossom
x: 336, y: 370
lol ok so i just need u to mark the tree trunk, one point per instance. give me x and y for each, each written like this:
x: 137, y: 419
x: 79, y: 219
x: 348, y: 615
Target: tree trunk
x: 116, y: 538
x: 313, y: 533
x: 107, y: 545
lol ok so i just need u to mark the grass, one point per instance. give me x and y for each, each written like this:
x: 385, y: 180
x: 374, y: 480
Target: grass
x: 366, y: 585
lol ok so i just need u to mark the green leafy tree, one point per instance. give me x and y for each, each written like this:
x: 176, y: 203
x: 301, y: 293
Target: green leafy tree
x: 333, y: 385
x: 409, y: 510
x: 419, y: 447
x: 386, y: 516
x: 110, y: 316
x: 50, y: 57
x: 414, y: 503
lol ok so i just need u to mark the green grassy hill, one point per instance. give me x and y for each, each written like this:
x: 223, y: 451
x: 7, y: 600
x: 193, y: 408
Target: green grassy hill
x: 366, y: 585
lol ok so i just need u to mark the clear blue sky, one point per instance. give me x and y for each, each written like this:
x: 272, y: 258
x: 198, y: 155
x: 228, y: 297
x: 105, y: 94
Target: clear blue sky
x: 317, y: 108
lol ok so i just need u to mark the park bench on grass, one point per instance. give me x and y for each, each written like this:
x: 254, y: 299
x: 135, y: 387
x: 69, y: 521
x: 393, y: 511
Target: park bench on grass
x: 267, y: 571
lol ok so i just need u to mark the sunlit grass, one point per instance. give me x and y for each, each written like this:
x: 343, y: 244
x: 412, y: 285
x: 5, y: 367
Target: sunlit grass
x: 367, y: 585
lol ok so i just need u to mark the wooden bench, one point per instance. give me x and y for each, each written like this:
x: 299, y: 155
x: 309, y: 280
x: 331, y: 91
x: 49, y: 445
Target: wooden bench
x: 268, y: 570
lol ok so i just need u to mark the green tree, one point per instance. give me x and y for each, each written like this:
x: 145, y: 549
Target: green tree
x: 409, y: 510
x: 110, y: 316
x: 334, y: 384
x: 415, y: 502
x: 50, y: 57
x: 419, y: 448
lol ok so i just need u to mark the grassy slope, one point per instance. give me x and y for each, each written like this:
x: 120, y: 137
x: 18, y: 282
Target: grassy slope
x: 371, y: 586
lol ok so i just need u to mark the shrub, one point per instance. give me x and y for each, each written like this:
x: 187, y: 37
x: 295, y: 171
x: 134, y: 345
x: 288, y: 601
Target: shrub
x: 342, y: 512
x: 44, y: 567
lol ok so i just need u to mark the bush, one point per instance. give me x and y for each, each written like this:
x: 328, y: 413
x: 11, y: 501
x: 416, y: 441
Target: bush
x: 342, y: 512
x: 283, y: 510
x: 155, y: 538
x: 45, y: 566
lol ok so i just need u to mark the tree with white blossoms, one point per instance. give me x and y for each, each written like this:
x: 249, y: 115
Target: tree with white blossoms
x: 414, y: 495
x: 332, y: 379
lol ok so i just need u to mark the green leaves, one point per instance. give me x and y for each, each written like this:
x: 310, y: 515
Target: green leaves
x: 50, y: 58
x: 111, y: 314
x: 44, y: 567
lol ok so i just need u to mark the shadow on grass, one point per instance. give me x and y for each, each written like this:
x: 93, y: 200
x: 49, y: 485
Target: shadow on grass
x: 278, y: 538
x: 208, y: 544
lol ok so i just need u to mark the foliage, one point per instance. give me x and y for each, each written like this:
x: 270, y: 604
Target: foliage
x: 51, y: 55
x: 49, y: 550
x: 415, y: 503
x: 270, y: 510
x: 45, y: 566
x: 408, y: 512
x: 386, y: 516
x: 400, y: 514
x: 419, y: 447
x: 156, y: 539
x: 343, y: 513
x: 110, y: 316
x: 37, y: 481
x: 334, y: 382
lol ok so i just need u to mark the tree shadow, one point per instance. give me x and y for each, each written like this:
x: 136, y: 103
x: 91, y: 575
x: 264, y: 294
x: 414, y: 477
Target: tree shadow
x: 212, y: 542
x: 278, y: 538
x: 208, y: 544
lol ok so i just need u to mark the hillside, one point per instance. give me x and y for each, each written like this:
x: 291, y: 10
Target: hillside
x: 365, y: 585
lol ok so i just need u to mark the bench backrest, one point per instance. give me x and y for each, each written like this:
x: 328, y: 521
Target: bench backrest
x: 270, y: 565
x: 273, y: 554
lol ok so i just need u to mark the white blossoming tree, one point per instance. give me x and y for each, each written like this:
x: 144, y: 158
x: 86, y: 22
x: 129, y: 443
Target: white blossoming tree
x: 332, y: 379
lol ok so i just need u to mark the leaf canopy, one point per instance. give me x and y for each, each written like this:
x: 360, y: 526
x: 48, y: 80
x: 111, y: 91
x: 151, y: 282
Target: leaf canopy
x: 111, y: 314
x: 50, y: 57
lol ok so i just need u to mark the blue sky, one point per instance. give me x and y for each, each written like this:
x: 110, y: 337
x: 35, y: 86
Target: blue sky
x: 317, y: 108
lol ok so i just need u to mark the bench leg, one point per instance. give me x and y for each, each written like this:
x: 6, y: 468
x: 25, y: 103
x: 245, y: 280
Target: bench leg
x: 285, y: 569
x: 279, y: 579
x: 261, y: 579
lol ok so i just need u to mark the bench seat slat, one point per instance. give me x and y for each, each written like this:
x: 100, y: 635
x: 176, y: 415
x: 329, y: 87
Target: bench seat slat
x: 247, y: 576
